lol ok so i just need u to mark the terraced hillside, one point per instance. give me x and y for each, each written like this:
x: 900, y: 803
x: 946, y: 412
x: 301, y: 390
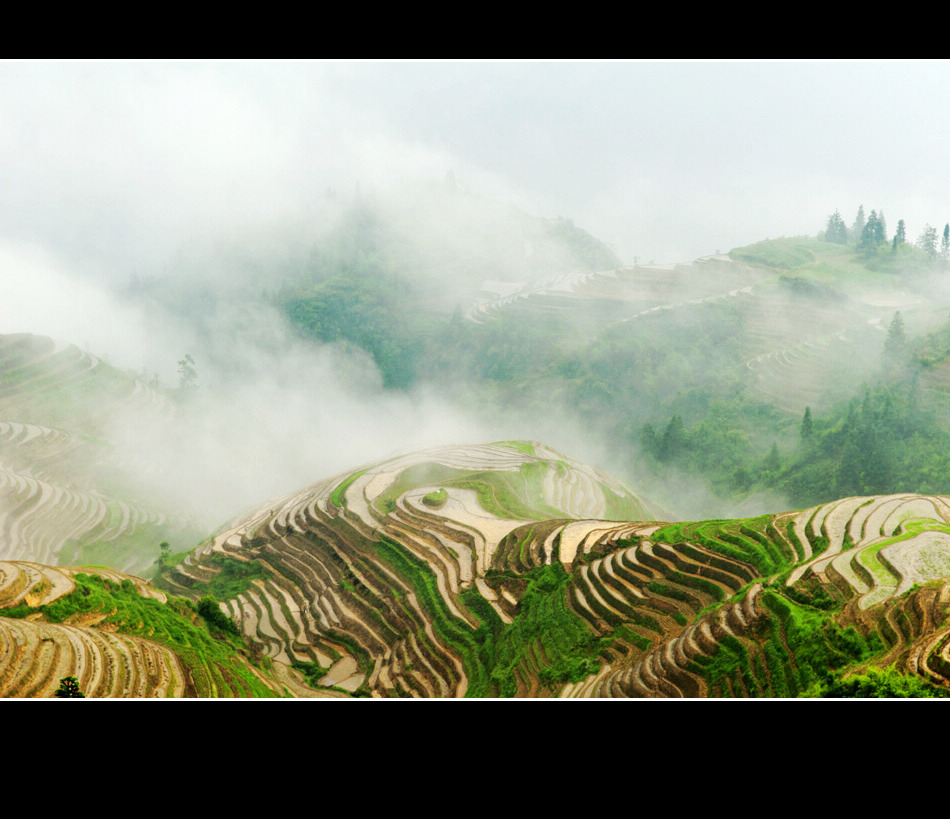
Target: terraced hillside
x: 509, y: 570
x: 388, y: 580
x: 67, y: 494
x: 119, y: 637
x: 807, y: 321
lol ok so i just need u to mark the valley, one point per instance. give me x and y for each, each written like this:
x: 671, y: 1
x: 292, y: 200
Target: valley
x: 779, y: 526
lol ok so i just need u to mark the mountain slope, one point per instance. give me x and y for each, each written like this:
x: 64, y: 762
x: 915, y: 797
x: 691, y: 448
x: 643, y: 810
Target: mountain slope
x: 67, y: 493
x: 391, y: 578
x: 471, y: 572
x: 119, y: 637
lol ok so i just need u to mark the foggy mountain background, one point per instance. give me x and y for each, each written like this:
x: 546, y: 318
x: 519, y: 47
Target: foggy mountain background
x: 154, y: 210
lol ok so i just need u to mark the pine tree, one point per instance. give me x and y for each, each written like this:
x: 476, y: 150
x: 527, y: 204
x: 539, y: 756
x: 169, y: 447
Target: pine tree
x: 807, y: 428
x: 895, y: 348
x: 945, y: 244
x: 927, y: 241
x: 857, y: 230
x: 836, y: 231
x: 867, y: 238
x: 901, y: 236
x: 875, y: 232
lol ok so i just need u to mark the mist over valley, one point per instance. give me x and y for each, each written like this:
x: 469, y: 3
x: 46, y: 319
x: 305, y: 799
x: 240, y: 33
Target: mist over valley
x: 306, y: 397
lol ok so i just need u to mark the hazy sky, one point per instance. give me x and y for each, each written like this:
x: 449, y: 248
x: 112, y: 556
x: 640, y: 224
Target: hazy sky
x: 115, y: 163
x: 110, y: 169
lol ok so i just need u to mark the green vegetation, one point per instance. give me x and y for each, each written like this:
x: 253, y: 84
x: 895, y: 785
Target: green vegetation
x: 875, y: 683
x: 741, y: 540
x: 546, y: 639
x: 784, y: 254
x: 312, y: 672
x: 235, y: 577
x: 340, y: 491
x: 436, y: 498
x: 521, y: 446
x: 216, y: 619
x: 69, y: 689
x: 214, y: 655
x: 792, y: 649
x: 458, y: 634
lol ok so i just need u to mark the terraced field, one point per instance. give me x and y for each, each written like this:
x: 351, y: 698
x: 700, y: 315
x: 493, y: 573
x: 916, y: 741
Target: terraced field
x: 389, y: 578
x: 495, y: 570
x: 66, y: 493
x: 119, y: 637
x: 801, y: 342
x: 623, y: 295
x: 510, y: 570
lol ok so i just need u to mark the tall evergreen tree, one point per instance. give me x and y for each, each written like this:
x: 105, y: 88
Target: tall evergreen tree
x: 836, y: 231
x: 945, y: 244
x: 895, y: 348
x: 868, y: 239
x: 900, y: 237
x: 807, y: 427
x: 857, y: 229
x: 773, y: 461
x: 927, y: 241
x: 673, y: 443
x: 875, y: 231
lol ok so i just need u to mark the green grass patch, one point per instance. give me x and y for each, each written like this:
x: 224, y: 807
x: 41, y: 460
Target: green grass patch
x: 234, y: 578
x: 521, y: 446
x: 436, y: 498
x: 784, y: 253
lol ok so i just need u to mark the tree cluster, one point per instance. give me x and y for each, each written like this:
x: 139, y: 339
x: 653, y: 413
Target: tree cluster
x: 874, y: 232
x: 868, y: 234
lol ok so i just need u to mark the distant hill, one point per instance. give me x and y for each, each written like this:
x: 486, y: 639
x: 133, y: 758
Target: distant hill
x: 68, y: 494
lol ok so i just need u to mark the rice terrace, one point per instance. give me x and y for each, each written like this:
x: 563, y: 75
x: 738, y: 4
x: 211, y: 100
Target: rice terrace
x: 442, y: 380
x: 503, y: 569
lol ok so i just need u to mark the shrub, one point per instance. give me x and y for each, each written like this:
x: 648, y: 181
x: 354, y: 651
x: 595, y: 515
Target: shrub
x: 69, y: 689
x: 209, y: 609
x: 436, y: 498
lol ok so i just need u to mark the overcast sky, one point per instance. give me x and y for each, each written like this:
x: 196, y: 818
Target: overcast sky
x: 109, y: 170
x: 114, y: 163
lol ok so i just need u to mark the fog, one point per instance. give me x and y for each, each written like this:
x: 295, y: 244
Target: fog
x: 222, y: 175
x: 117, y: 163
